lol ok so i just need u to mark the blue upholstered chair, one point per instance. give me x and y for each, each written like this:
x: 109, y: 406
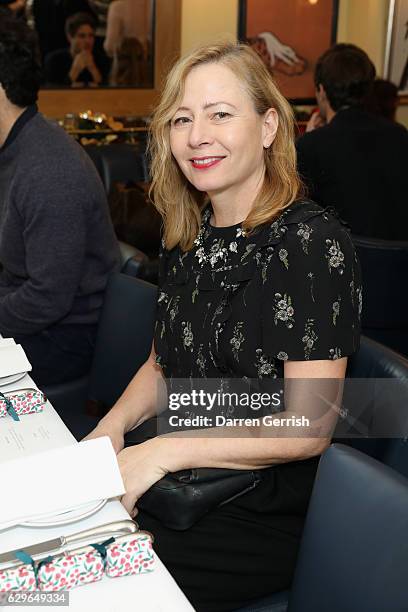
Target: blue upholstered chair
x: 384, y: 265
x: 119, y: 163
x: 354, y: 551
x: 372, y: 361
x: 123, y: 343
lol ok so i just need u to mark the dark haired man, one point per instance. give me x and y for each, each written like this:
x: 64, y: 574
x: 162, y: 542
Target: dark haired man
x: 79, y: 65
x: 57, y: 245
x: 351, y: 159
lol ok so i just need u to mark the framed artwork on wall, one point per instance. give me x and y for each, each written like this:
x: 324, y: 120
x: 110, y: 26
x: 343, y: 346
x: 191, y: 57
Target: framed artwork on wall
x: 396, y: 55
x: 289, y: 37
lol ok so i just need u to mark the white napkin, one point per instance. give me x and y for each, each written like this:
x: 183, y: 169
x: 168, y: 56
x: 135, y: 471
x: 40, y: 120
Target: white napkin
x: 7, y: 342
x: 58, y: 480
x: 13, y: 359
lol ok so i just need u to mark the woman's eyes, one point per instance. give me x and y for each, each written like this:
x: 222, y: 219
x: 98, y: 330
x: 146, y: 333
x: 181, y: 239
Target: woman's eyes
x: 181, y: 120
x: 219, y: 115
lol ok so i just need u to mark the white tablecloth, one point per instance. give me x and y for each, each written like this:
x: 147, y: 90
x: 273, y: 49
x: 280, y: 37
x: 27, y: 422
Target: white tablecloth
x: 152, y: 592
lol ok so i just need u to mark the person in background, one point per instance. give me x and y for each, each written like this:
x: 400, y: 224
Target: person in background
x: 349, y: 158
x: 128, y: 41
x: 383, y: 99
x: 78, y: 65
x: 256, y: 282
x: 57, y: 245
x: 49, y: 18
x: 100, y: 9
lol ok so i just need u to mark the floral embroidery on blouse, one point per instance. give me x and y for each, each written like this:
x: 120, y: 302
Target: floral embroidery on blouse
x: 263, y: 260
x: 310, y: 338
x: 201, y: 361
x: 237, y: 340
x: 305, y: 232
x: 310, y: 276
x: 162, y: 325
x: 163, y: 297
x: 335, y: 256
x: 265, y: 366
x: 174, y: 310
x: 195, y: 290
x: 214, y: 305
x: 360, y: 300
x: 352, y: 291
x: 248, y: 250
x: 284, y: 310
x: 188, y: 338
x: 283, y: 256
x: 336, y: 309
x: 217, y: 252
x: 335, y: 353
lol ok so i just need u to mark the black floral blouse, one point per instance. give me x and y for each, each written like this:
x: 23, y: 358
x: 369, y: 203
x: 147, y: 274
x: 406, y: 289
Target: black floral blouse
x: 239, y: 306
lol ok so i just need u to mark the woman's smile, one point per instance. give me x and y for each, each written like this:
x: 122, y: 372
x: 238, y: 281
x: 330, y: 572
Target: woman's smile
x: 204, y: 163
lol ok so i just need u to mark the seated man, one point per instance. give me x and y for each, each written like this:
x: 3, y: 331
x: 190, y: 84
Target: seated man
x: 79, y: 65
x: 349, y: 158
x: 57, y: 245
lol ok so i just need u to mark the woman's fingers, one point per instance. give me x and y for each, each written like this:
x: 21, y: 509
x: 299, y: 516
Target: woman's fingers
x: 129, y: 501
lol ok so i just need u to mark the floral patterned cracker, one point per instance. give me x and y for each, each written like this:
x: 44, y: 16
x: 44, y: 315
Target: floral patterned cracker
x: 24, y: 402
x: 130, y: 554
x: 21, y: 578
x: 70, y: 571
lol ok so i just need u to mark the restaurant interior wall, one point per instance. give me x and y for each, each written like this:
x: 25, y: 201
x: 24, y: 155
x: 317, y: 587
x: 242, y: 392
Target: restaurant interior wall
x: 362, y: 22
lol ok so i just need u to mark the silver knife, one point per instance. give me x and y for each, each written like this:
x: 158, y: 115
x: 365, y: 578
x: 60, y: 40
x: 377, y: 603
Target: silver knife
x: 43, y: 549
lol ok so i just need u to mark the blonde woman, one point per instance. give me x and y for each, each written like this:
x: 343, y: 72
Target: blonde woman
x: 256, y: 282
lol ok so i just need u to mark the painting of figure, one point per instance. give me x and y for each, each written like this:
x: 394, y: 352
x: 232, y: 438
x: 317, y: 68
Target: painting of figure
x: 289, y: 37
x: 397, y: 69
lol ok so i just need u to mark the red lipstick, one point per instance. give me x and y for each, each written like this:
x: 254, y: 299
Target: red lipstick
x: 203, y: 163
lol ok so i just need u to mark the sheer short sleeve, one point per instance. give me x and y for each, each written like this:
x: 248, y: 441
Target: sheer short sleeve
x: 312, y: 293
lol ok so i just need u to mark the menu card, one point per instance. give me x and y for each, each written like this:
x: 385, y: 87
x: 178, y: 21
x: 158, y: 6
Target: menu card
x: 58, y: 480
x: 13, y: 359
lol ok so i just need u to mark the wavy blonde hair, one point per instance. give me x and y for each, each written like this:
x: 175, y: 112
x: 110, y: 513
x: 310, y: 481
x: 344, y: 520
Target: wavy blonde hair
x: 179, y: 202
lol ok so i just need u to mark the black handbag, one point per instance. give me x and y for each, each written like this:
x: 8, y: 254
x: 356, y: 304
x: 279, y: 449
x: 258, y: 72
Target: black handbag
x: 181, y: 498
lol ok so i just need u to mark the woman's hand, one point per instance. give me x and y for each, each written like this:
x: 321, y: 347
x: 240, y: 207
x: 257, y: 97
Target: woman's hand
x: 115, y: 431
x: 140, y: 466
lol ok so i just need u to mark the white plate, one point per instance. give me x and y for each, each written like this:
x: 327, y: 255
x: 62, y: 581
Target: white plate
x: 7, y: 380
x: 70, y: 516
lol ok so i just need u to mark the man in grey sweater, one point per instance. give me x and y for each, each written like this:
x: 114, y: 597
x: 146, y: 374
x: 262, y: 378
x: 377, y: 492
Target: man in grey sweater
x: 57, y: 244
